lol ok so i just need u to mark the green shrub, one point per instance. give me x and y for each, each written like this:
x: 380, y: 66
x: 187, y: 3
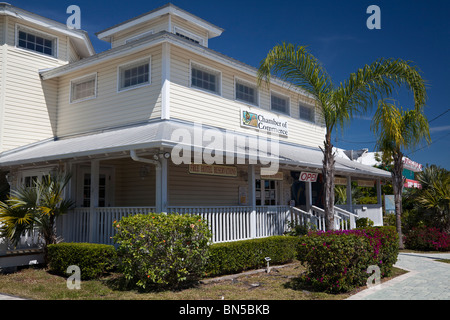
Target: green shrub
x: 163, y: 249
x: 364, y: 222
x: 92, y: 259
x: 232, y: 257
x: 337, y: 261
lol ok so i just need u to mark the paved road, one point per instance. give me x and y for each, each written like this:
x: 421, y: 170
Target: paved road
x: 427, y: 279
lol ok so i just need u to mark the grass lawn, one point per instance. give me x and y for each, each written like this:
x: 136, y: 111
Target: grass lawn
x: 444, y: 260
x: 279, y: 284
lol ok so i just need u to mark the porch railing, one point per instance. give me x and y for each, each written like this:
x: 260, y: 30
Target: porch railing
x: 227, y: 223
x: 76, y: 225
x: 316, y: 217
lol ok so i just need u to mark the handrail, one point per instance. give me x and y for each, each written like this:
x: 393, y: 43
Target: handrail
x: 345, y: 211
x: 300, y: 210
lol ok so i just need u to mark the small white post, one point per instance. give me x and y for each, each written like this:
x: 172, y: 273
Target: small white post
x: 164, y: 181
x: 252, y: 199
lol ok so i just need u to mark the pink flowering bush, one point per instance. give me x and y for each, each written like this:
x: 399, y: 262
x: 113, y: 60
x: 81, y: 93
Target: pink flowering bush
x: 427, y: 239
x: 337, y: 261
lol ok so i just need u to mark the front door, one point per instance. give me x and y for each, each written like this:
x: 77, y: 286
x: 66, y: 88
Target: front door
x: 105, y: 184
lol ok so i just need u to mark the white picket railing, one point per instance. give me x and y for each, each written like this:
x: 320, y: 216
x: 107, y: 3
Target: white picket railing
x: 343, y: 219
x: 227, y: 223
x: 76, y: 225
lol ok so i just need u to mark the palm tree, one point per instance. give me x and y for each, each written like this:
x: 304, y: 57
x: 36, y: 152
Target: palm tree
x: 36, y: 207
x: 338, y: 104
x: 398, y: 130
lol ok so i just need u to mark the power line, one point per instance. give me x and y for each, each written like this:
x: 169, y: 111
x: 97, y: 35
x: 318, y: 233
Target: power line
x: 448, y: 134
x: 440, y: 115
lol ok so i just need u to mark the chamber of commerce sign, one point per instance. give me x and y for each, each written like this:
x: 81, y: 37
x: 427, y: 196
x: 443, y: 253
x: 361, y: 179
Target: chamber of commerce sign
x: 263, y: 121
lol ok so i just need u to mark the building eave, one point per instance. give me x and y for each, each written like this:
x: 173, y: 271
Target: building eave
x: 213, y: 31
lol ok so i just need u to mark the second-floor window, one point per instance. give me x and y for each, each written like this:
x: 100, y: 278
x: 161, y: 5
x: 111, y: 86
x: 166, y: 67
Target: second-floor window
x: 37, y: 42
x: 246, y: 93
x: 307, y: 113
x: 279, y: 103
x: 134, y: 75
x: 205, y: 79
x: 84, y: 88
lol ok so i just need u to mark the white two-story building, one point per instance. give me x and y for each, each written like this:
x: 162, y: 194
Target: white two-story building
x: 160, y: 122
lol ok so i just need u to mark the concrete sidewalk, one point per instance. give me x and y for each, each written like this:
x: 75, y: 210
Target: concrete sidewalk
x: 427, y: 279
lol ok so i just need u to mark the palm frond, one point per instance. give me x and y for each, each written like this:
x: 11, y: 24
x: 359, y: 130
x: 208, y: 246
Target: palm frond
x: 297, y: 66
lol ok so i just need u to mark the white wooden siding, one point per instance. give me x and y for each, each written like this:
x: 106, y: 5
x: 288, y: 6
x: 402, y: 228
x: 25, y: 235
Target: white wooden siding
x: 29, y: 106
x: 157, y: 25
x: 132, y: 190
x: 110, y: 108
x: 187, y: 189
x: 201, y: 107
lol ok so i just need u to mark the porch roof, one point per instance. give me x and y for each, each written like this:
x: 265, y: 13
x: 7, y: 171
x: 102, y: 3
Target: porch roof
x: 158, y: 135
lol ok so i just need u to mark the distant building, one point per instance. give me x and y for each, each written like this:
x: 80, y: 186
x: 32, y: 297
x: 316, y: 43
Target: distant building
x: 363, y: 156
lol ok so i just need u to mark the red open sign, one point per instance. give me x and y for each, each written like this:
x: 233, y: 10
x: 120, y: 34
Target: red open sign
x: 308, y: 177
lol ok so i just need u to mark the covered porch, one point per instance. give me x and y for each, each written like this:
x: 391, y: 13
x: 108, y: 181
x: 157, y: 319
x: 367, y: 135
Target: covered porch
x: 129, y: 171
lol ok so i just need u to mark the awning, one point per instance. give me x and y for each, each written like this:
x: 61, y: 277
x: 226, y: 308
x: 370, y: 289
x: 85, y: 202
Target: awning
x: 157, y: 135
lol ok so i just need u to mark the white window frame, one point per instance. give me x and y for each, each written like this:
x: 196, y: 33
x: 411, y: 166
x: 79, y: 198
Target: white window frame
x: 193, y: 64
x: 81, y: 80
x: 130, y: 64
x: 39, y: 173
x: 248, y: 84
x: 283, y: 96
x: 110, y: 183
x: 139, y: 36
x: 189, y: 34
x: 39, y: 33
x: 312, y: 108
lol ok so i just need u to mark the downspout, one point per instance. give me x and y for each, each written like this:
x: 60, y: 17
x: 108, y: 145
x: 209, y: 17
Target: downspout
x: 158, y: 185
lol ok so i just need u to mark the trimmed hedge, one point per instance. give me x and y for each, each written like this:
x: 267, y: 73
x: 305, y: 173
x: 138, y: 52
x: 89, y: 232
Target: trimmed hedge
x: 92, y: 259
x: 233, y: 257
x: 337, y: 261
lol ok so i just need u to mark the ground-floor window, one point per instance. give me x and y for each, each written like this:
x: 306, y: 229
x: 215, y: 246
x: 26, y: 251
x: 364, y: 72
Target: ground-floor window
x: 267, y: 193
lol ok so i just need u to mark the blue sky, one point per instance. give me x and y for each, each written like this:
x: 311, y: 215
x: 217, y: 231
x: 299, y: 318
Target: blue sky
x: 336, y: 34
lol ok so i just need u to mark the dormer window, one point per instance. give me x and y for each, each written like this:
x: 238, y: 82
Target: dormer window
x: 36, y: 41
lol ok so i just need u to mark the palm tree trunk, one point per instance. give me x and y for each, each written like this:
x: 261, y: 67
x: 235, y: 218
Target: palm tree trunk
x: 397, y: 186
x: 328, y: 179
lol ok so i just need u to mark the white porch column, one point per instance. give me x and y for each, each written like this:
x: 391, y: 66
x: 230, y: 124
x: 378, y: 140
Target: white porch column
x: 95, y: 171
x: 158, y: 189
x: 252, y: 199
x: 164, y: 182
